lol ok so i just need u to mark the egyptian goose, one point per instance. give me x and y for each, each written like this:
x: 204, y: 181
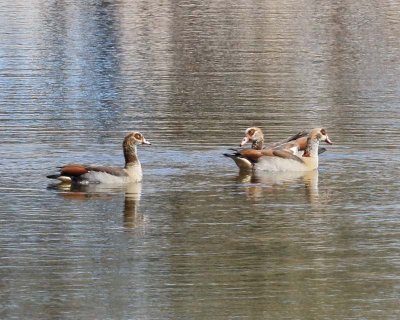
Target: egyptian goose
x: 85, y: 174
x: 280, y: 159
x: 296, y: 143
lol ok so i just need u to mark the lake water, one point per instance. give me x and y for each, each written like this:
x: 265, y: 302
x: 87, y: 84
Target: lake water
x: 196, y: 240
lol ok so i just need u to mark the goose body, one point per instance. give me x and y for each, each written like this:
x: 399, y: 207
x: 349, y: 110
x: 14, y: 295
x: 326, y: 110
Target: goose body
x: 256, y: 136
x: 87, y: 174
x: 296, y: 143
x: 281, y: 159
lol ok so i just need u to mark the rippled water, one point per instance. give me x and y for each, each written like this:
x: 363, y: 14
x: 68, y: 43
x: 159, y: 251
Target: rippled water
x: 197, y: 240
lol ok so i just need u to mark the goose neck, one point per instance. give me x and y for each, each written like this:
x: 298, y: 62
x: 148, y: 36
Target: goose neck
x: 130, y: 154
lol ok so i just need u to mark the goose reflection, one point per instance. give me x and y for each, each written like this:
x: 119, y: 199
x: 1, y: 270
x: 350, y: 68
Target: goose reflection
x: 132, y: 218
x: 278, y: 183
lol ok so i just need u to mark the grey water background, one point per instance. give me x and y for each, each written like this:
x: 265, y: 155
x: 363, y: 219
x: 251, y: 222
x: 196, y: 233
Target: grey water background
x: 195, y: 240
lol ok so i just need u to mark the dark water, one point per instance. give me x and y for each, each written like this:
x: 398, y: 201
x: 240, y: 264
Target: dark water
x: 195, y: 240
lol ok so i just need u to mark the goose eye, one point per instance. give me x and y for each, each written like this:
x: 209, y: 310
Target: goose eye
x: 251, y: 132
x: 138, y: 136
x: 323, y: 132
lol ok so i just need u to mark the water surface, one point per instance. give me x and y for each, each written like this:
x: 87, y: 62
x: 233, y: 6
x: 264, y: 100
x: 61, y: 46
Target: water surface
x: 196, y: 240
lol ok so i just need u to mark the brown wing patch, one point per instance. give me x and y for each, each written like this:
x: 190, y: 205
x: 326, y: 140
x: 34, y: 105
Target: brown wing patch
x: 302, y: 143
x: 287, y: 155
x: 73, y: 170
x: 251, y: 154
x: 267, y: 152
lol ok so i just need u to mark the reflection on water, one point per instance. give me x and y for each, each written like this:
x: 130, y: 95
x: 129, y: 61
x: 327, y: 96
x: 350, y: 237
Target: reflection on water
x: 132, y: 218
x: 281, y: 184
x: 75, y: 76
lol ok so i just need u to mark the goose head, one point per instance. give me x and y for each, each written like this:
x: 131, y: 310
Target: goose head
x: 129, y: 146
x: 314, y: 138
x: 319, y: 134
x: 255, y: 136
x: 134, y: 138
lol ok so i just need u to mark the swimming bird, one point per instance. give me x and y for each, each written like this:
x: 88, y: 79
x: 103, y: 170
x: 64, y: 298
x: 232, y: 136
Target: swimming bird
x: 86, y: 174
x: 295, y: 143
x: 282, y: 159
